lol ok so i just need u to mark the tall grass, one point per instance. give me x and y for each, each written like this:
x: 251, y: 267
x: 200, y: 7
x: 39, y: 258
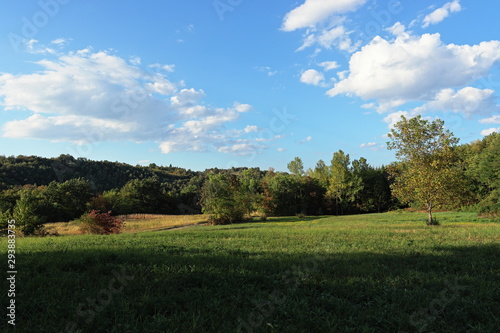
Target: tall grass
x: 134, y: 223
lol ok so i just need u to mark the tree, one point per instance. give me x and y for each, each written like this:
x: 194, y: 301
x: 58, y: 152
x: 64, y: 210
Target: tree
x: 427, y: 174
x: 296, y: 167
x: 281, y: 194
x: 144, y: 196
x: 482, y: 159
x: 250, y: 189
x: 344, y: 185
x: 321, y: 173
x: 26, y: 212
x: 69, y: 199
x: 219, y: 198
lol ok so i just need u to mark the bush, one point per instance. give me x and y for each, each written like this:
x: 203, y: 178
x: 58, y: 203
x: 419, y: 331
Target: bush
x: 97, y: 223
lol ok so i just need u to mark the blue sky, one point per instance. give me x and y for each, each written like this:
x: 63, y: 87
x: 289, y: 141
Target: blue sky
x: 224, y: 83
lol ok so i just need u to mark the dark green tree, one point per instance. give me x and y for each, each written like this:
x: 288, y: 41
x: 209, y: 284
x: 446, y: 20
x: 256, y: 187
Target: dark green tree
x: 68, y: 199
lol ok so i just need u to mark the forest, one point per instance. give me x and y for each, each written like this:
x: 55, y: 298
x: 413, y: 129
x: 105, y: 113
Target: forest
x: 446, y: 176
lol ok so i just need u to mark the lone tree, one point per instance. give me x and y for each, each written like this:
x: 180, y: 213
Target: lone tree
x: 427, y: 172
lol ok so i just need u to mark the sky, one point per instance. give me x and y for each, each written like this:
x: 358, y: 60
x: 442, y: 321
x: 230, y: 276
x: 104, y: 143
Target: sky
x: 230, y: 83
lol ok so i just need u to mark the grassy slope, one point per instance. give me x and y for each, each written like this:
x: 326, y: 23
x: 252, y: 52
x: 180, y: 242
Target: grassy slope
x: 365, y: 273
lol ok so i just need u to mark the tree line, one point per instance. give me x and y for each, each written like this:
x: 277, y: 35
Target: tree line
x: 432, y: 172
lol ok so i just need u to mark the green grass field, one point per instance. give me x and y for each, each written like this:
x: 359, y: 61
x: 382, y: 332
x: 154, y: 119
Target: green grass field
x: 366, y: 273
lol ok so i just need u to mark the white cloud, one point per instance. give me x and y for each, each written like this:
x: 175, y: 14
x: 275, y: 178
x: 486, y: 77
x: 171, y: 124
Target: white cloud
x: 266, y: 69
x: 242, y: 107
x: 60, y: 42
x: 441, y: 13
x: 489, y: 131
x: 395, y: 117
x: 332, y: 37
x: 251, y: 128
x: 367, y: 145
x: 312, y: 76
x: 307, y: 139
x: 86, y: 97
x: 323, y: 20
x: 281, y: 149
x: 33, y: 47
x: 492, y: 120
x: 240, y: 149
x: 312, y: 12
x: 413, y: 68
x: 329, y: 65
x: 168, y: 68
x: 398, y: 29
x: 469, y: 101
x: 135, y: 60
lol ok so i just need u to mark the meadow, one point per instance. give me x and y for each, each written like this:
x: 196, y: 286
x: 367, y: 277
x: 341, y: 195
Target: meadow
x: 385, y: 272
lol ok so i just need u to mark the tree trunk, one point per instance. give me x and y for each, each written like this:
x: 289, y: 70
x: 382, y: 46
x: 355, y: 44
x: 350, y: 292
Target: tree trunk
x: 429, y: 213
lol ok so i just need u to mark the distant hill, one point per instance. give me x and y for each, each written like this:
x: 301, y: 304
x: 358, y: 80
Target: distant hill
x: 103, y: 175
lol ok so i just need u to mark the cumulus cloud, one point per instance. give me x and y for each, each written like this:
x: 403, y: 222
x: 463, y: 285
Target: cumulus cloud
x: 413, y: 68
x: 489, y: 131
x: 441, y: 13
x: 85, y: 97
x: 323, y: 21
x: 469, y: 101
x: 312, y: 12
x: 313, y: 77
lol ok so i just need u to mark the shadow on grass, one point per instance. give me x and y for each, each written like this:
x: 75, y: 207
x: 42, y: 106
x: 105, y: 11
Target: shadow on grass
x: 172, y: 288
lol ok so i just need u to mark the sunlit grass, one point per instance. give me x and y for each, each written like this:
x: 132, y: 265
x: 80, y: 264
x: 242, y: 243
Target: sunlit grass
x: 360, y: 273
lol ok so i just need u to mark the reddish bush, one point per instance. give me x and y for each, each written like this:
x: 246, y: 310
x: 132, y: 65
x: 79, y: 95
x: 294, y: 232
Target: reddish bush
x: 95, y: 222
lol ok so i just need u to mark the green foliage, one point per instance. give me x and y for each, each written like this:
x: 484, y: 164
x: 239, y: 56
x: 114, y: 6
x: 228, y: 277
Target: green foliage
x: 220, y: 198
x: 482, y: 160
x: 428, y: 173
x: 344, y: 183
x: 68, y: 199
x: 97, y: 223
x: 144, y: 196
x: 102, y: 175
x: 250, y: 190
x: 296, y: 167
x: 27, y: 210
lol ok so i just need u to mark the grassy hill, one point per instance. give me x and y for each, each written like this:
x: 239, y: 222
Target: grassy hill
x: 365, y: 273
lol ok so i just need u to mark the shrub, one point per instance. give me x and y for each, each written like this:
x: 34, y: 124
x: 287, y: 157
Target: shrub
x: 95, y: 222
